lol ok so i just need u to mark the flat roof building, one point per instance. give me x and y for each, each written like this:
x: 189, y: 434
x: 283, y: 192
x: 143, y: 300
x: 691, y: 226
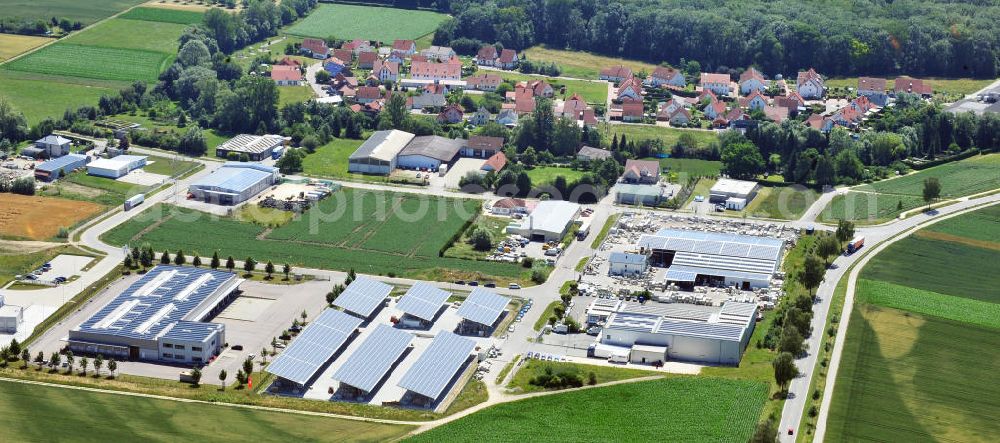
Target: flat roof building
x: 59, y: 167
x: 709, y: 258
x: 550, y: 220
x: 727, y: 188
x: 429, y: 151
x: 10, y: 317
x: 161, y: 317
x: 379, y: 154
x: 256, y: 147
x: 234, y: 183
x: 624, y: 263
x: 116, y: 167
x: 635, y: 194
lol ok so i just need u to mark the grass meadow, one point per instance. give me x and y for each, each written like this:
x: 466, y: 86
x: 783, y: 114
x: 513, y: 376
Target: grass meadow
x: 86, y: 12
x: 37, y: 413
x: 782, y: 202
x: 669, y: 136
x: 864, y: 207
x: 294, y: 94
x: 592, y: 92
x: 962, y: 86
x: 583, y: 64
x: 39, y: 96
x: 603, y: 374
x: 330, y: 160
x: 671, y: 409
x: 693, y: 167
x: 121, y: 33
x: 366, y: 22
x: 964, y: 177
x: 541, y: 175
x: 164, y: 15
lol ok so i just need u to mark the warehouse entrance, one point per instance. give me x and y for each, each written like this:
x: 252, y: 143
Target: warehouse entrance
x: 133, y: 352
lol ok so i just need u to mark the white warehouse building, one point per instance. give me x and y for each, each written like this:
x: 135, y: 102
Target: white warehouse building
x: 550, y: 220
x: 734, y: 194
x: 117, y: 166
x: 234, y: 183
x: 714, y: 259
x: 379, y: 154
x: 656, y: 333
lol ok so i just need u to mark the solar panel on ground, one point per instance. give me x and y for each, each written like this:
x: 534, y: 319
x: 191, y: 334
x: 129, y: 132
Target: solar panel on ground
x: 423, y: 301
x: 314, y: 346
x: 363, y: 295
x: 483, y: 306
x: 438, y: 364
x: 369, y: 363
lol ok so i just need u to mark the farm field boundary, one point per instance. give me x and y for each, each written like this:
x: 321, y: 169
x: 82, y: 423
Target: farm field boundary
x: 930, y: 303
x: 383, y: 24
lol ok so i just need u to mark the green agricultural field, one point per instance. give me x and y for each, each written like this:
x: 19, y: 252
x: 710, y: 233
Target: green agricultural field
x: 330, y: 160
x: 912, y: 377
x: 961, y: 309
x: 782, y: 202
x: 86, y: 12
x: 960, y: 178
x: 122, y: 33
x: 80, y: 186
x: 22, y: 407
x: 521, y: 381
x: 940, y: 266
x: 12, y: 45
x: 980, y: 227
x: 865, y: 207
x: 591, y: 91
x: 49, y: 96
x: 93, y: 62
x: 672, y: 409
x: 179, y: 16
x: 378, y: 233
x: 583, y: 64
x: 367, y: 22
x: 669, y: 136
x: 541, y: 175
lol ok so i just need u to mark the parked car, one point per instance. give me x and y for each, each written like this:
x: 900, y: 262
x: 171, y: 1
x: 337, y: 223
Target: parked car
x: 490, y: 285
x: 473, y: 283
x: 459, y: 282
x: 513, y: 286
x: 237, y: 347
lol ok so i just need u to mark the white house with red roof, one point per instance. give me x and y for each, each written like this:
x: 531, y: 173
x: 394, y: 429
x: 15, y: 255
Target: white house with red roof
x: 616, y: 73
x: 873, y: 88
x: 752, y: 80
x: 629, y: 89
x: 508, y: 59
x: 435, y: 71
x: 714, y: 109
x: 357, y: 46
x: 484, y: 82
x: 487, y: 56
x: 641, y: 171
x: 407, y: 47
x: 452, y: 113
x: 809, y: 85
x: 912, y: 85
x: 632, y: 111
x: 367, y: 94
x: 755, y: 100
x: 366, y: 59
x: 386, y: 71
x: 576, y: 108
x: 285, y: 75
x: 315, y: 48
x: 666, y: 76
x: 719, y: 84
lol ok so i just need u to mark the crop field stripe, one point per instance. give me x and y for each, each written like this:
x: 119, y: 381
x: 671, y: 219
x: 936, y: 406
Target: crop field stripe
x: 164, y: 15
x: 982, y: 224
x: 930, y: 303
x: 963, y: 177
x: 367, y: 22
x: 93, y: 62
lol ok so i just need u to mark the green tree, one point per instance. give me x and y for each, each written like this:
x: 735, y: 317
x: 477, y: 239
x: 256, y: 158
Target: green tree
x: 845, y: 230
x: 70, y: 361
x: 222, y: 378
x: 25, y: 357
x: 310, y: 143
x: 165, y: 258
x: 98, y: 364
x: 932, y: 190
x: 249, y: 264
x: 742, y: 160
x: 766, y: 432
x: 84, y: 364
x: 112, y: 367
x: 825, y: 173
x: 269, y: 269
x: 180, y: 259
x: 827, y: 246
x: 39, y: 359
x: 290, y: 162
x: 812, y: 273
x: 196, y: 260
x: 54, y: 360
x: 214, y: 264
x: 791, y: 340
x: 481, y: 240
x: 286, y: 269
x: 322, y: 76
x: 784, y: 369
x: 230, y: 263
x: 196, y: 376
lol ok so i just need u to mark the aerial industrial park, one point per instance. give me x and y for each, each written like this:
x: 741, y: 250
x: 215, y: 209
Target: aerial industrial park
x: 503, y: 221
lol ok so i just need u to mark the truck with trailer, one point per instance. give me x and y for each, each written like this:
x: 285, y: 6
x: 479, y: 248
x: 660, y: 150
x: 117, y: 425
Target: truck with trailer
x: 134, y: 201
x: 855, y: 244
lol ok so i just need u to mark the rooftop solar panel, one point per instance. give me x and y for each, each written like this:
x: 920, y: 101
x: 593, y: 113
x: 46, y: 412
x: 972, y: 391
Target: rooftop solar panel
x: 483, y: 306
x: 362, y: 296
x: 438, y: 364
x: 314, y: 346
x: 423, y: 301
x: 370, y: 362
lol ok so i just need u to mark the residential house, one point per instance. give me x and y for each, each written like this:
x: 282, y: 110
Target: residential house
x: 507, y: 117
x: 508, y: 206
x: 400, y: 57
x: 345, y: 54
x: 484, y: 82
x: 667, y: 109
x: 616, y: 73
x: 334, y: 66
x: 809, y: 85
x: 820, y: 123
x: 523, y: 101
x: 426, y: 100
x: 495, y: 163
x: 629, y: 89
x: 435, y: 71
x: 53, y: 146
x: 538, y: 88
x: 641, y: 171
x: 368, y: 94
x: 345, y: 86
x: 632, y: 111
x: 680, y: 117
x: 874, y: 89
x: 715, y: 109
x: 589, y: 153
x: 487, y: 56
x: 508, y: 59
x: 666, y: 77
x: 776, y: 114
x: 481, y: 146
x: 913, y: 86
x: 288, y: 61
x: 576, y: 108
x: 737, y: 118
x: 862, y: 104
x: 407, y: 47
x: 420, y: 58
x: 793, y: 101
x: 285, y: 75
x: 438, y: 53
x: 357, y: 46
x: 752, y: 80
x: 452, y: 113
x: 367, y: 59
x: 480, y: 117
x: 315, y: 48
x: 386, y: 71
x: 755, y: 100
x: 719, y: 84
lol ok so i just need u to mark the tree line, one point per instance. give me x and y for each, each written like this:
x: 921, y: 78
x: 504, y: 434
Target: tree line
x: 864, y: 37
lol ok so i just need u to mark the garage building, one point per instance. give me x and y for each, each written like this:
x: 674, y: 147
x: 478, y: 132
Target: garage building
x: 256, y: 147
x: 161, y: 317
x: 718, y: 337
x: 116, y: 167
x: 429, y: 152
x: 734, y: 194
x: 716, y: 259
x: 550, y: 220
x: 234, y: 183
x: 379, y: 154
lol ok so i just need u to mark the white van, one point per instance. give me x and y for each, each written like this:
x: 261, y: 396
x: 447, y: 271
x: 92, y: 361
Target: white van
x: 618, y: 358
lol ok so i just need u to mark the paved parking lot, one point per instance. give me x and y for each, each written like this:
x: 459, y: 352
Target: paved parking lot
x: 65, y: 265
x: 459, y: 169
x: 143, y: 178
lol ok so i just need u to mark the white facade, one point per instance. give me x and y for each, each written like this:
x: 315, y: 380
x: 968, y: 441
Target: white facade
x: 115, y: 167
x: 417, y: 162
x: 10, y: 318
x: 548, y: 221
x: 627, y: 264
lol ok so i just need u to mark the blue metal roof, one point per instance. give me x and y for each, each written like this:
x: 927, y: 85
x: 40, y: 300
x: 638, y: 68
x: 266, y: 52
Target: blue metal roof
x: 314, y: 346
x: 483, y: 306
x: 423, y: 301
x: 191, y: 331
x: 371, y: 361
x: 62, y: 162
x: 235, y: 177
x: 431, y: 373
x: 363, y: 296
x: 165, y: 295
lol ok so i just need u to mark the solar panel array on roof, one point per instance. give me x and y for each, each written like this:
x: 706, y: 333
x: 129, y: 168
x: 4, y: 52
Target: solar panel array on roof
x: 423, y: 301
x: 483, y: 306
x: 370, y: 362
x: 191, y: 331
x: 363, y: 296
x: 236, y: 177
x: 314, y: 346
x: 738, y: 309
x: 431, y: 373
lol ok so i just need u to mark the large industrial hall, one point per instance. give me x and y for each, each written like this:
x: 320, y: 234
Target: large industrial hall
x: 714, y: 259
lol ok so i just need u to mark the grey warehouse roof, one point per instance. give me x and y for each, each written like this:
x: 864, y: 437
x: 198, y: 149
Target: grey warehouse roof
x: 362, y: 296
x: 423, y: 301
x: 382, y: 145
x: 710, y: 253
x: 165, y: 295
x: 433, y: 146
x: 438, y: 364
x: 370, y: 362
x: 314, y: 346
x: 483, y: 306
x: 61, y: 162
x: 235, y: 177
x: 251, y: 144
